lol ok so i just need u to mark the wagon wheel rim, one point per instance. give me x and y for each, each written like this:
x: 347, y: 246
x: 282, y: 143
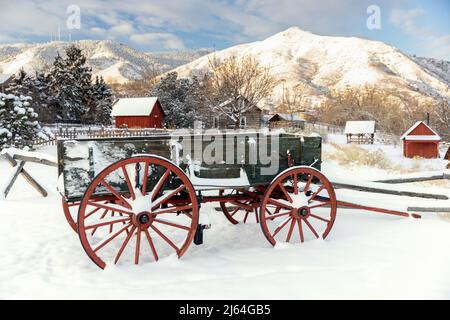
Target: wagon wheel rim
x: 150, y: 217
x: 70, y: 210
x: 300, y: 204
x: 240, y: 211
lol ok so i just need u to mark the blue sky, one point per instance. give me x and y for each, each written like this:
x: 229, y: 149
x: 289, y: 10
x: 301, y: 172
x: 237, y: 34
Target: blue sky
x: 416, y: 27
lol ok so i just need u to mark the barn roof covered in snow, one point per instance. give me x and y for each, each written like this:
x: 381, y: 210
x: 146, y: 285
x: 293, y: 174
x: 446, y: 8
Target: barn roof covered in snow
x: 359, y: 127
x: 432, y: 136
x: 134, y: 106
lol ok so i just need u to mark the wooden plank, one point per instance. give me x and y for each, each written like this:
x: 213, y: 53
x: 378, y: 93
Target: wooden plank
x: 416, y: 179
x: 27, y: 176
x: 388, y: 191
x: 35, y: 160
x: 429, y: 209
x: 17, y: 169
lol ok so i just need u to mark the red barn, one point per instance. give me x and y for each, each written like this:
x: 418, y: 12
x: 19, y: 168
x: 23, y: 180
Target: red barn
x: 421, y: 141
x: 138, y: 113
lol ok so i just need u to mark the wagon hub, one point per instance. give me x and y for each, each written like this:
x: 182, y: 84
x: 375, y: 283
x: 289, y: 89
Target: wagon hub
x: 143, y: 218
x: 303, y: 212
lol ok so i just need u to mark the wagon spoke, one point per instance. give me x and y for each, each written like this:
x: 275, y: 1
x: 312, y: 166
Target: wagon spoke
x: 101, y: 217
x: 165, y: 238
x: 300, y: 230
x: 106, y: 223
x: 115, y: 193
x: 172, y: 210
x: 323, y: 204
x: 295, y: 183
x: 274, y: 216
x: 319, y: 218
x: 124, y: 244
x: 241, y: 205
x: 91, y: 213
x: 138, y: 247
x: 167, y: 196
x: 291, y: 228
x: 152, y: 246
x: 311, y: 228
x: 279, y: 204
x: 316, y: 193
x: 175, y: 225
x: 112, y: 207
x: 246, y: 215
x: 308, y: 183
x: 283, y: 189
x: 109, y: 239
x: 129, y: 183
x: 281, y: 226
x: 256, y: 215
x: 145, y: 179
x: 160, y: 183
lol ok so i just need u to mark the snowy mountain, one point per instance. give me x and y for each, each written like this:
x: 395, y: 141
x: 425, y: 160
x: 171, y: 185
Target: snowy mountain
x: 439, y: 68
x: 116, y: 62
x: 323, y: 63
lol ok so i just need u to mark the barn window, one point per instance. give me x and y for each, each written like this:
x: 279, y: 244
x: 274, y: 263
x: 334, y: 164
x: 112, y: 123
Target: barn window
x: 243, y: 122
x: 216, y: 122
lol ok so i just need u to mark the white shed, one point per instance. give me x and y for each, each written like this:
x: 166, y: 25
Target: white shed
x: 360, y: 131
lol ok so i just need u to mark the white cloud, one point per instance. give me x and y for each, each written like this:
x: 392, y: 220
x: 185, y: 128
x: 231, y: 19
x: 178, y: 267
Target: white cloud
x: 430, y: 42
x: 161, y: 40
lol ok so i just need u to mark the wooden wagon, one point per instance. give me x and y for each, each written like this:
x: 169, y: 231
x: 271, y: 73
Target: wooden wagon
x: 139, y: 199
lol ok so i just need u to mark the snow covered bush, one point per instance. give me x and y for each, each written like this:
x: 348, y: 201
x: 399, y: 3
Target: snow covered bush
x: 18, y: 124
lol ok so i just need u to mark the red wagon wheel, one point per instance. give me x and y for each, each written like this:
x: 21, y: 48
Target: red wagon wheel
x: 152, y: 208
x: 299, y: 204
x: 241, y: 210
x: 70, y: 210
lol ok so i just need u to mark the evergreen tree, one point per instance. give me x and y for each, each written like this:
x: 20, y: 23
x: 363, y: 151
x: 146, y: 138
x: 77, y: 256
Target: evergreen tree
x: 70, y: 83
x: 179, y: 99
x: 18, y: 124
x: 103, y: 96
x: 20, y: 85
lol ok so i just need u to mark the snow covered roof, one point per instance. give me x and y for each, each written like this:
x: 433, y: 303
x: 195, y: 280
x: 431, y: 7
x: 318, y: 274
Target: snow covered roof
x: 287, y: 117
x: 420, y: 137
x: 5, y: 77
x: 134, y: 106
x: 359, y: 127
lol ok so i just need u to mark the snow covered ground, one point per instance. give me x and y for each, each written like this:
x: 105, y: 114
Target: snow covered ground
x: 366, y: 255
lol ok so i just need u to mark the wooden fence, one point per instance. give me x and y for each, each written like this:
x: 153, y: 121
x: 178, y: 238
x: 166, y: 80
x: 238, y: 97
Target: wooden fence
x: 82, y: 132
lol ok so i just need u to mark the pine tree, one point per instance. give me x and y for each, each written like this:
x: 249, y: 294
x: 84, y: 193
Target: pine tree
x: 103, y: 97
x: 178, y: 98
x: 20, y: 85
x: 18, y: 124
x: 70, y: 83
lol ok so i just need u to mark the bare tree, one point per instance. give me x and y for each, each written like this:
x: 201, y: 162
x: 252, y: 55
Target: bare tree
x: 237, y: 84
x: 292, y: 100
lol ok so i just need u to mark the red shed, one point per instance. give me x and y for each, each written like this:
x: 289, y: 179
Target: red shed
x: 421, y: 141
x: 138, y: 113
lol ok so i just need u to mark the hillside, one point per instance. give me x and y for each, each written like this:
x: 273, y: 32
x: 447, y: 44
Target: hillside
x: 325, y: 63
x: 116, y: 62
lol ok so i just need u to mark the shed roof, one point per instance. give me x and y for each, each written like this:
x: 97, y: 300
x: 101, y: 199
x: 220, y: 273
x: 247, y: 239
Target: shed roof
x: 359, y: 127
x: 420, y: 137
x: 134, y: 106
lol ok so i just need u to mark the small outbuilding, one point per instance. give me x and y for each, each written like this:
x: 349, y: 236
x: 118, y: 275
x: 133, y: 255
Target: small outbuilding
x: 420, y: 141
x: 138, y: 113
x: 360, y: 131
x: 285, y: 120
